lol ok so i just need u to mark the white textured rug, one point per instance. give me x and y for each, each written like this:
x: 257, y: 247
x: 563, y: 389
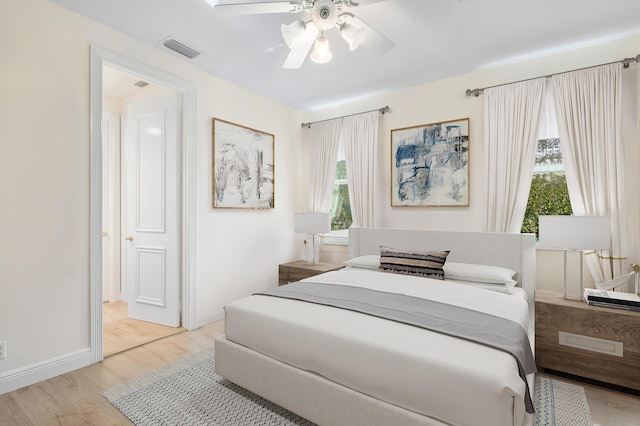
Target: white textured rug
x: 189, y: 392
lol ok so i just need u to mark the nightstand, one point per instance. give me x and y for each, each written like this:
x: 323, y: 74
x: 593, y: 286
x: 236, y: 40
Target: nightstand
x: 588, y: 341
x: 298, y: 270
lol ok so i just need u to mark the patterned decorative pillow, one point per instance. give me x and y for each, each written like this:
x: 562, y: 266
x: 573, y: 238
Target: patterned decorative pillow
x: 421, y: 263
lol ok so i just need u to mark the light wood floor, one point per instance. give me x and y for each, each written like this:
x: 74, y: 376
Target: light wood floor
x: 121, y: 333
x: 74, y: 398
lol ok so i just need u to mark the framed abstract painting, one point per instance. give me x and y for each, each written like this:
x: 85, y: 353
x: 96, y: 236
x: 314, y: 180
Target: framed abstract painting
x: 243, y: 167
x: 430, y: 165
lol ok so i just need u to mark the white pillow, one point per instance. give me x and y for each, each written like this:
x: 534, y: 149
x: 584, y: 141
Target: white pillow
x: 370, y: 261
x: 500, y: 288
x: 479, y: 273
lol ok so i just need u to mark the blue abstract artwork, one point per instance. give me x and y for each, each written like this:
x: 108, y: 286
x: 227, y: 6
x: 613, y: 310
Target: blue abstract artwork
x: 243, y: 167
x: 430, y: 164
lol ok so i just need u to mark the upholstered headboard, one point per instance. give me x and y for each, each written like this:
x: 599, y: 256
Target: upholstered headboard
x: 513, y: 251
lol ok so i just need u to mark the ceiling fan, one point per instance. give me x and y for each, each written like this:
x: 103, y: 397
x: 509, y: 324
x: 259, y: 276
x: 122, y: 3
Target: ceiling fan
x: 319, y: 16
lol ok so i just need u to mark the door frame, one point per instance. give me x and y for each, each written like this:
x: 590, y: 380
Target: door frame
x: 100, y: 57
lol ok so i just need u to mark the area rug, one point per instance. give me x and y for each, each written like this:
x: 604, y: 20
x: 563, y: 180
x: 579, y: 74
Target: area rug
x: 189, y: 392
x: 559, y: 403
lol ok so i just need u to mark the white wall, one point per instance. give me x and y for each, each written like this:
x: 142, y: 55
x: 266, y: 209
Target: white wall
x: 44, y: 187
x: 445, y: 100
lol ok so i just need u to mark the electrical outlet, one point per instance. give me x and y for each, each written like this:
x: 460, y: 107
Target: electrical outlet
x: 3, y: 349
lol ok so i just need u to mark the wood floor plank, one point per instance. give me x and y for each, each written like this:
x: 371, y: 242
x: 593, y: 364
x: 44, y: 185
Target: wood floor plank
x: 121, y: 333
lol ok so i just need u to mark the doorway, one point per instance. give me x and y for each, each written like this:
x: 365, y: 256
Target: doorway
x: 186, y: 185
x: 140, y: 213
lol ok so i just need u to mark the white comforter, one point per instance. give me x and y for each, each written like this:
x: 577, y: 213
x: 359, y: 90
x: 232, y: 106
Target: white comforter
x: 448, y: 379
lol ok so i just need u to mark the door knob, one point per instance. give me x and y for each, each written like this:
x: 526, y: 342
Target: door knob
x: 129, y: 238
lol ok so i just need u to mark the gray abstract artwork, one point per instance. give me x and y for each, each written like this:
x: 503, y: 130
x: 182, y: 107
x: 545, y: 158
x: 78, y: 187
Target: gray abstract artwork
x: 243, y: 167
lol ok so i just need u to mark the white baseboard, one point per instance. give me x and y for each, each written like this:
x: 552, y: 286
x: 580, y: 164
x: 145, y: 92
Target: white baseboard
x: 208, y: 319
x: 34, y: 373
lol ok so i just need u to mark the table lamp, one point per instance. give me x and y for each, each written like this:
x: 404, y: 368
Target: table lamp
x: 574, y: 233
x: 312, y: 224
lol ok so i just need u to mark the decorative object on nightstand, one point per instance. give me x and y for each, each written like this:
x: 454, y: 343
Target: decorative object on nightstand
x: 612, y: 299
x: 576, y: 233
x: 615, y: 299
x: 299, y: 270
x: 312, y: 224
x: 617, y: 282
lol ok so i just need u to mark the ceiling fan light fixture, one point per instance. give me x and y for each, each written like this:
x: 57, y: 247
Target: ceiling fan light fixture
x: 321, y: 53
x: 352, y: 35
x: 292, y: 32
x: 324, y: 14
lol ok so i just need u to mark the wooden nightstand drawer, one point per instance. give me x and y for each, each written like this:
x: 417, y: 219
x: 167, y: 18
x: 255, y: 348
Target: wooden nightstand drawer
x: 298, y: 270
x: 588, y: 341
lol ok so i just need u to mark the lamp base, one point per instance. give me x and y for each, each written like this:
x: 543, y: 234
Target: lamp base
x: 576, y: 292
x: 312, y: 248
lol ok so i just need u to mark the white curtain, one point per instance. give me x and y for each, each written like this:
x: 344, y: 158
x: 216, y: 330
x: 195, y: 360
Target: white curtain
x: 360, y: 136
x: 549, y: 118
x: 588, y: 105
x: 325, y: 140
x: 511, y: 118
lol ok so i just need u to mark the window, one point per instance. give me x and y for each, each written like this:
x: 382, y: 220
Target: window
x: 340, y: 205
x: 548, y: 194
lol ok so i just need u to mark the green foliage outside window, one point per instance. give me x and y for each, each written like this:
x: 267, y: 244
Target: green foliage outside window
x: 548, y: 194
x: 340, y: 206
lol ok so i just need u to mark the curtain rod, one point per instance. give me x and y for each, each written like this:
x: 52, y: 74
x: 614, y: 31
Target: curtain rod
x: 382, y: 111
x: 625, y: 63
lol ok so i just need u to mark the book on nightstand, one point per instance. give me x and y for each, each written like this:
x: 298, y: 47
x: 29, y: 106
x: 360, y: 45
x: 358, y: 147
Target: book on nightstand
x: 612, y: 299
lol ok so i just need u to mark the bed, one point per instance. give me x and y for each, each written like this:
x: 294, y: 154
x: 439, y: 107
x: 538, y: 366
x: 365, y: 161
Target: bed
x: 337, y: 366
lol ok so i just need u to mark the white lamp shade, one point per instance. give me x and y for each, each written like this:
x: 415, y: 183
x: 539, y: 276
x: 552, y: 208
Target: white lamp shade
x: 321, y: 53
x: 312, y: 223
x: 575, y: 232
x: 352, y: 35
x: 292, y: 32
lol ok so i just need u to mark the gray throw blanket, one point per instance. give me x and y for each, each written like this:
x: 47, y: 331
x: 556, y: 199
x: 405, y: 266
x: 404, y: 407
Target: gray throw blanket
x: 479, y: 327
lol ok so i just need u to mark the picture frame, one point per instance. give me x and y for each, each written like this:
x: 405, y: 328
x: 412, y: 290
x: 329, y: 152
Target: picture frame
x: 243, y: 172
x: 430, y: 165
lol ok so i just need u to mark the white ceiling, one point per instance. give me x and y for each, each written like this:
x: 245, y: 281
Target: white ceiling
x: 434, y: 39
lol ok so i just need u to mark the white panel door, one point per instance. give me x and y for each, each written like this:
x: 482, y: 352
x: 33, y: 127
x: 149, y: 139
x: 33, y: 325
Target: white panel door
x: 151, y: 211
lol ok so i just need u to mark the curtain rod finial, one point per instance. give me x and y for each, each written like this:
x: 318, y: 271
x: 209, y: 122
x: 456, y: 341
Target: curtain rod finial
x: 474, y: 92
x: 628, y: 61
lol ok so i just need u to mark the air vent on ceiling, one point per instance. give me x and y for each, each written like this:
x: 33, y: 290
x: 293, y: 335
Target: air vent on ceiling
x: 180, y: 48
x: 141, y: 84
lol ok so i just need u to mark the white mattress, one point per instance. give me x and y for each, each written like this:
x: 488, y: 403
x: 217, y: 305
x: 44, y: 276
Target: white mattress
x: 445, y: 378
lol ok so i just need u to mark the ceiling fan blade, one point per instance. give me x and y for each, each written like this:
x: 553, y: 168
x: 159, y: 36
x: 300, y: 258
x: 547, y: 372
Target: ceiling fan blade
x: 301, y: 49
x: 254, y: 8
x: 373, y: 40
